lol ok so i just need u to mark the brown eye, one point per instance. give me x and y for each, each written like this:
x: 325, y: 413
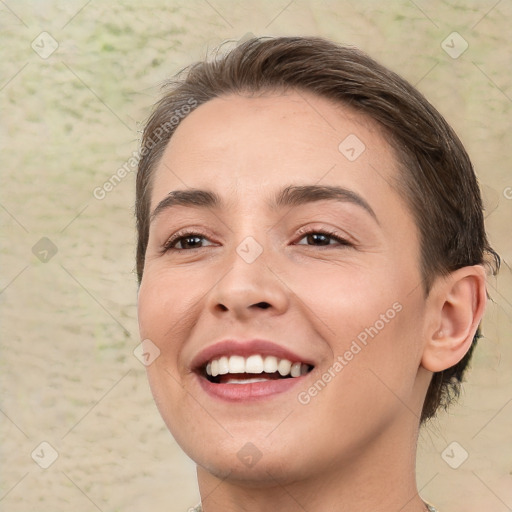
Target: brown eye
x: 186, y: 241
x: 322, y: 238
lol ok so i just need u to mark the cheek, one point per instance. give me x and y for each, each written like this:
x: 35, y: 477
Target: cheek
x: 162, y: 305
x: 381, y: 354
x: 371, y: 319
x: 169, y: 304
x: 349, y: 298
x: 160, y: 313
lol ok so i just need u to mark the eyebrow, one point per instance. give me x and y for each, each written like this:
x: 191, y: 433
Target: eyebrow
x: 290, y: 196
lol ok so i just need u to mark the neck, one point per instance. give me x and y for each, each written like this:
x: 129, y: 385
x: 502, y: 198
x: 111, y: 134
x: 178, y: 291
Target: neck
x: 380, y: 477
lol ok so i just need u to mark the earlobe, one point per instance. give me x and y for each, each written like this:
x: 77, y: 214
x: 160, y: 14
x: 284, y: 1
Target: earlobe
x: 459, y: 305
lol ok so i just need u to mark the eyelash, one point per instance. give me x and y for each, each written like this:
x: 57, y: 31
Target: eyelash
x: 333, y: 234
x: 180, y: 235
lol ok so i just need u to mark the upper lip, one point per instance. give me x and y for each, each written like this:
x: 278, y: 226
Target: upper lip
x: 245, y: 348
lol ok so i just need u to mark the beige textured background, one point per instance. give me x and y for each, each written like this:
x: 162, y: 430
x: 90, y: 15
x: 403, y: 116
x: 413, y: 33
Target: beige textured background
x: 69, y: 120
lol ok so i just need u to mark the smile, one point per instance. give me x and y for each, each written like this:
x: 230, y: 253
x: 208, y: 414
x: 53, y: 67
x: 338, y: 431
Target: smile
x: 237, y: 369
x: 247, y: 370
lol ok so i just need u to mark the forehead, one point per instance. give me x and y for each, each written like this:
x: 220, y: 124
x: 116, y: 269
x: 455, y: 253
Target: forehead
x: 247, y: 147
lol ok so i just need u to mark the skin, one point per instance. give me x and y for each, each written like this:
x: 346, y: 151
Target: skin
x: 352, y: 447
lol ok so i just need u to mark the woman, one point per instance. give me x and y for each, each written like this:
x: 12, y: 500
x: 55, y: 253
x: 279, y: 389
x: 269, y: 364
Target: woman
x: 311, y: 260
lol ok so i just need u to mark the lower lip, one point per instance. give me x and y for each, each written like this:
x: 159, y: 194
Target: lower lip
x: 251, y: 391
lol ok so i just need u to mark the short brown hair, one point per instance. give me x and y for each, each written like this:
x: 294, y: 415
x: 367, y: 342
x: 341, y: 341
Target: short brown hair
x: 437, y: 179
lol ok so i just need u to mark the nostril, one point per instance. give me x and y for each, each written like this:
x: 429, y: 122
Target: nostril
x: 263, y: 305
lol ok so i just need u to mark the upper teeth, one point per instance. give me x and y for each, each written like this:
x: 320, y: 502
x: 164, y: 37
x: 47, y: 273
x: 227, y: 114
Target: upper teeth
x: 254, y: 364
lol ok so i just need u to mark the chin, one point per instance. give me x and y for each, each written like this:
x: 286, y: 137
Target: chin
x: 269, y: 470
x: 252, y: 460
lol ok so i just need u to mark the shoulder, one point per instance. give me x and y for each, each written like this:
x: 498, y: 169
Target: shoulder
x: 198, y: 508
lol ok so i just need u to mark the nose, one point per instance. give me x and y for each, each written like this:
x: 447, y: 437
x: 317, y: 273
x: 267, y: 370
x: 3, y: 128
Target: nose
x: 249, y: 289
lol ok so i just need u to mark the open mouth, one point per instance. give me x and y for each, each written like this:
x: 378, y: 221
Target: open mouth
x: 237, y: 369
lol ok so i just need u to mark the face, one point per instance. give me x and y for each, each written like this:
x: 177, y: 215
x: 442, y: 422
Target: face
x: 299, y: 255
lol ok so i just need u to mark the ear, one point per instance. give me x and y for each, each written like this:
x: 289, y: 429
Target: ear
x: 457, y: 306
